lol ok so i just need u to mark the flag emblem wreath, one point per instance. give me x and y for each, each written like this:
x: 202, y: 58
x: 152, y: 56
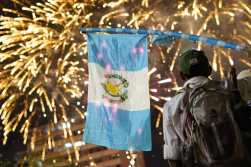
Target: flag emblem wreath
x: 115, y: 88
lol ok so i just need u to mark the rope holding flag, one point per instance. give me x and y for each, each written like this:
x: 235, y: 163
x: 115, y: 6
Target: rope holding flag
x: 118, y: 109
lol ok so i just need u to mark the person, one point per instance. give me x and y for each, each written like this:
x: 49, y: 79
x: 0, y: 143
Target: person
x: 244, y: 84
x: 194, y: 70
x: 244, y: 113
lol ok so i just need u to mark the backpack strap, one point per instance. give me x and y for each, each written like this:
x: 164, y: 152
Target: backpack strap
x: 188, y: 148
x: 190, y: 95
x: 189, y: 118
x: 190, y: 122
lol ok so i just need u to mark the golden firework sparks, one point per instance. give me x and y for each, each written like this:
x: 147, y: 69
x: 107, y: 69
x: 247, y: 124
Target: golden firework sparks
x: 43, y: 55
x: 43, y: 61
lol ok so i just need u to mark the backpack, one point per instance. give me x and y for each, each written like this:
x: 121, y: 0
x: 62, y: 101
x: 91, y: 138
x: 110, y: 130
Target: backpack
x: 212, y: 136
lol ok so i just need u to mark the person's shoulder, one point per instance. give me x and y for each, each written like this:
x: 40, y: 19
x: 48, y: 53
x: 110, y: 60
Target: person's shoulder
x: 174, y: 100
x: 216, y: 84
x: 170, y: 107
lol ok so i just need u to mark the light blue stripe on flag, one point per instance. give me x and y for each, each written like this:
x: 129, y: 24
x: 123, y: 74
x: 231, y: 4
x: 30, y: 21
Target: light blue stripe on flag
x: 120, y: 51
x: 118, y: 111
x: 123, y: 130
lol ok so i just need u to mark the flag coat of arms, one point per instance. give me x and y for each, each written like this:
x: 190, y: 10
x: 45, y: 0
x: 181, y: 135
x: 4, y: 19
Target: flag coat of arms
x: 118, y: 111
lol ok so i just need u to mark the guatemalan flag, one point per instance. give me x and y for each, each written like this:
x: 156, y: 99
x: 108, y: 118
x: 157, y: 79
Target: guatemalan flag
x: 118, y: 111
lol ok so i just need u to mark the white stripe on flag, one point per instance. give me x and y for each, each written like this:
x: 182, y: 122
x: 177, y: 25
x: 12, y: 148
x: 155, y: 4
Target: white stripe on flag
x: 138, y: 92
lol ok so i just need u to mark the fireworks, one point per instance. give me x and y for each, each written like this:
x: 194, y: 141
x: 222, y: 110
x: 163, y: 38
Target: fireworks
x: 227, y: 20
x: 40, y: 65
x: 43, y: 62
x: 43, y: 69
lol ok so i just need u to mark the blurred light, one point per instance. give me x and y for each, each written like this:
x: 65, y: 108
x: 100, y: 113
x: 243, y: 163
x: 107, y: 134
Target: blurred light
x: 166, y: 98
x: 152, y: 71
x: 165, y: 81
x: 66, y: 125
x: 154, y: 90
x: 154, y: 98
x: 72, y: 120
x: 68, y: 145
x: 76, y: 144
x: 132, y: 162
x: 92, y: 164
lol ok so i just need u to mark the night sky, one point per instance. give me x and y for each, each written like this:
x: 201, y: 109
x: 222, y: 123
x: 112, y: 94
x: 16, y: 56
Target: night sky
x: 10, y: 152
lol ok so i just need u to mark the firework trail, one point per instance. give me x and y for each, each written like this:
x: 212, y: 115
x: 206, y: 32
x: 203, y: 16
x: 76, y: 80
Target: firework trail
x: 43, y: 65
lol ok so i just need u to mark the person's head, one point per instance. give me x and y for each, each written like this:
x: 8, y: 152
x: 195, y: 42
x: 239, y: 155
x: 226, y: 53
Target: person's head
x: 194, y: 63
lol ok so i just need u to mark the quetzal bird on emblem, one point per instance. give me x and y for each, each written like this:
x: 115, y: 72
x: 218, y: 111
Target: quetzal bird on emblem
x: 116, y: 88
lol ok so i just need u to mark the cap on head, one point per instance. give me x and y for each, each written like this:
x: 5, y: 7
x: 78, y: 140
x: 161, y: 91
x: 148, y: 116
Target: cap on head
x: 244, y: 74
x: 193, y: 61
x: 244, y: 85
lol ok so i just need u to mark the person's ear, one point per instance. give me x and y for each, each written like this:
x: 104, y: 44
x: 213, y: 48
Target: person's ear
x: 183, y: 76
x: 209, y: 70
